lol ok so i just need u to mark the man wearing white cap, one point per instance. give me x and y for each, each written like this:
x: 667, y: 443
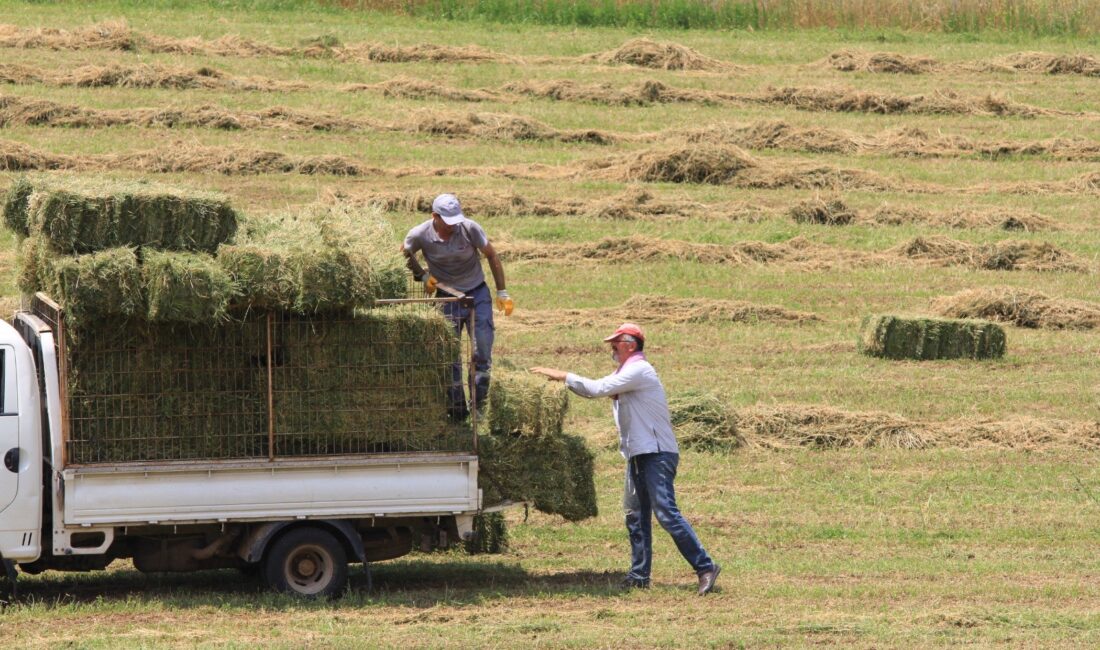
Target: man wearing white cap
x: 648, y: 443
x: 452, y: 246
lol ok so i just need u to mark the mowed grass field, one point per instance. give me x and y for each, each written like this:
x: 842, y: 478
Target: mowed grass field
x: 978, y: 544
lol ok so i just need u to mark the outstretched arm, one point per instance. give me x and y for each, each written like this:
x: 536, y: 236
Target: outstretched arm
x: 551, y: 373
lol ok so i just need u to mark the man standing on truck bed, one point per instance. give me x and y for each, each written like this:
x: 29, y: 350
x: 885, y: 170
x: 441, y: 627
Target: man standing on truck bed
x: 648, y: 443
x: 452, y: 246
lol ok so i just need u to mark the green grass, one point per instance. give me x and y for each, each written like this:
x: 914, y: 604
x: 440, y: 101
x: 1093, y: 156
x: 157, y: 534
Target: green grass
x: 871, y: 548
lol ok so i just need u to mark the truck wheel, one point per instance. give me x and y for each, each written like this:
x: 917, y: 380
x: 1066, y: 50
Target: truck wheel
x: 307, y: 562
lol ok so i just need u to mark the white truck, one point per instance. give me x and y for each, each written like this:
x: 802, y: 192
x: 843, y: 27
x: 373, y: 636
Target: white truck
x: 297, y: 521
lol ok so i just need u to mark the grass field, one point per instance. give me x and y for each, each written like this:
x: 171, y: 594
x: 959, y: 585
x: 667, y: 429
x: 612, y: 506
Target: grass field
x: 988, y: 545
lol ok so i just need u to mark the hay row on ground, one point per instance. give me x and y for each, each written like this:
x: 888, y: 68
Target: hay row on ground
x: 1020, y: 307
x: 707, y: 422
x: 922, y: 339
x: 143, y: 76
x: 1009, y: 255
x: 663, y: 309
x: 658, y: 55
x: 835, y: 212
x: 894, y: 63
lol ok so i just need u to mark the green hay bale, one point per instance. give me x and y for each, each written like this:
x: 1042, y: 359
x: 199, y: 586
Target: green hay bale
x: 374, y: 382
x: 896, y: 337
x: 92, y: 285
x: 523, y: 404
x: 554, y: 472
x: 185, y: 287
x: 81, y: 216
x: 323, y: 260
x: 490, y: 534
x: 705, y: 422
x: 15, y: 206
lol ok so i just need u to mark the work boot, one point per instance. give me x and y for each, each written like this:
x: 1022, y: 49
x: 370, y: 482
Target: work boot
x: 707, y: 579
x: 631, y: 582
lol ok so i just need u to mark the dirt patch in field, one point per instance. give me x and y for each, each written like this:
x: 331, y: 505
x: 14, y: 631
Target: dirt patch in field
x: 664, y: 309
x: 886, y: 62
x: 410, y: 88
x: 1020, y: 307
x: 1009, y: 255
x: 142, y: 76
x: 658, y: 55
x: 785, y: 427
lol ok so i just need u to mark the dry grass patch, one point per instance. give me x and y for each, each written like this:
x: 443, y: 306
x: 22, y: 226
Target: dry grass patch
x: 1045, y: 63
x: 107, y: 35
x: 889, y: 62
x: 945, y: 102
x: 1008, y: 255
x: 410, y: 88
x: 1003, y: 219
x: 143, y: 76
x: 1020, y: 307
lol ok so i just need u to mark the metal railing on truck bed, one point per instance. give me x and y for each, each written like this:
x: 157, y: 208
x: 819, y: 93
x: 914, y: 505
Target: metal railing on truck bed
x: 264, y: 386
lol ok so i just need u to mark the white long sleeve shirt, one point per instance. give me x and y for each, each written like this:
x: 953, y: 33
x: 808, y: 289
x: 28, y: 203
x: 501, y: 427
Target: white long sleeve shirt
x: 641, y: 410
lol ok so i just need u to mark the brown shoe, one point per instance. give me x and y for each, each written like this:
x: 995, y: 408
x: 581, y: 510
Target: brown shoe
x: 707, y: 580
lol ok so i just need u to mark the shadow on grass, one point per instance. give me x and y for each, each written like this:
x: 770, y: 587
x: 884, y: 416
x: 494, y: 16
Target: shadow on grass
x: 406, y: 582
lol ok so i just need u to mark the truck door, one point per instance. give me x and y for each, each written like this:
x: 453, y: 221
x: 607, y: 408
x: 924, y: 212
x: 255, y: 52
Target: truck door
x: 9, y: 427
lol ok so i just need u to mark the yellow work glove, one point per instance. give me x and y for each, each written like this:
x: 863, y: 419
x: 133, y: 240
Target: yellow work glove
x: 504, y: 302
x: 429, y: 284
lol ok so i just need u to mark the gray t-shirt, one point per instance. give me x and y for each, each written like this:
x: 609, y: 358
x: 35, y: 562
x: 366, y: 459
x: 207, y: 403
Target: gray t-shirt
x: 455, y: 262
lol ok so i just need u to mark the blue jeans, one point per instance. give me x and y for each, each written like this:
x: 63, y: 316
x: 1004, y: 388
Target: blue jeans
x: 483, y: 346
x: 649, y: 491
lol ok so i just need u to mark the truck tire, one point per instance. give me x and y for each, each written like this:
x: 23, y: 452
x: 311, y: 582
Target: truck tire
x: 308, y: 562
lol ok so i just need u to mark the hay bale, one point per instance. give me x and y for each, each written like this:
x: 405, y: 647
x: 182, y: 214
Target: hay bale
x: 697, y: 164
x: 522, y: 404
x: 15, y: 206
x: 705, y: 422
x: 93, y: 285
x: 554, y: 472
x: 1019, y: 307
x: 490, y: 534
x: 185, y: 287
x: 897, y: 337
x: 325, y: 259
x: 646, y: 53
x: 829, y: 213
x: 81, y: 215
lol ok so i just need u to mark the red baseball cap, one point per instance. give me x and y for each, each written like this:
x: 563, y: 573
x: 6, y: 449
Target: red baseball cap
x: 627, y: 328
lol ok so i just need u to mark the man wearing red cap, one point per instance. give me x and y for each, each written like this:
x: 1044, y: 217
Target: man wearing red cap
x: 648, y: 443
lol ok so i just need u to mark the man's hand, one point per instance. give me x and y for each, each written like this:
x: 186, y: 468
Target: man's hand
x: 429, y: 282
x: 551, y: 373
x: 504, y: 302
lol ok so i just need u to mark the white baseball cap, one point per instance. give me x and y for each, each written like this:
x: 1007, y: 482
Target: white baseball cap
x: 449, y: 209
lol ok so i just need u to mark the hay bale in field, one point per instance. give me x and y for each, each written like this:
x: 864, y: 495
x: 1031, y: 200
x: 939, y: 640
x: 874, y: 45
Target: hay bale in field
x: 897, y: 337
x: 831, y: 213
x: 185, y: 287
x: 490, y: 534
x: 554, y: 472
x: 15, y: 206
x: 80, y: 215
x: 522, y: 404
x: 705, y: 422
x: 326, y: 259
x: 1020, y: 307
x: 698, y: 164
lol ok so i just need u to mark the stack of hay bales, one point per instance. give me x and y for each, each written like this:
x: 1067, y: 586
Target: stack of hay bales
x: 898, y: 337
x: 526, y: 457
x: 166, y: 305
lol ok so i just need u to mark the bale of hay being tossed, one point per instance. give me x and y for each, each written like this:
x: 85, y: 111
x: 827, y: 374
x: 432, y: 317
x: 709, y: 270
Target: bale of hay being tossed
x: 522, y: 404
x: 899, y: 337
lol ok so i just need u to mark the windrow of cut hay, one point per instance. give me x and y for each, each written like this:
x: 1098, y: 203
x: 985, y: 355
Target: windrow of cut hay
x: 906, y: 142
x: 80, y: 215
x: 1007, y: 255
x: 1020, y: 307
x: 411, y: 88
x: 658, y: 55
x: 919, y: 338
x: 726, y: 165
x: 895, y: 63
x: 707, y: 422
x: 663, y: 309
x: 835, y: 212
x: 143, y: 76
